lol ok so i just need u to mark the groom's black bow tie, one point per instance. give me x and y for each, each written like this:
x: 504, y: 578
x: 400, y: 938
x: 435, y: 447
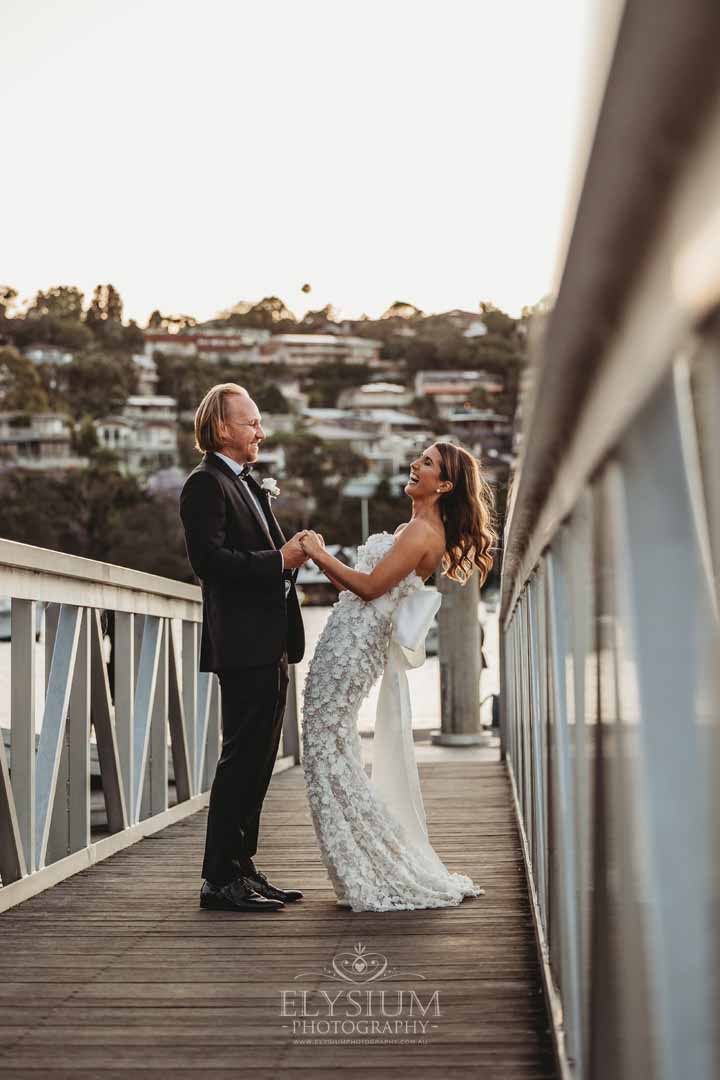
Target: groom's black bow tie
x: 245, y: 472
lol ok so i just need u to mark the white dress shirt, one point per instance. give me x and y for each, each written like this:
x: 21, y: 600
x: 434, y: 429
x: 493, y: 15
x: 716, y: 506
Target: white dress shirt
x: 237, y: 469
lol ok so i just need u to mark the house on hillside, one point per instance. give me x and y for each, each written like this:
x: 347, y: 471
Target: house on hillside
x: 40, y: 441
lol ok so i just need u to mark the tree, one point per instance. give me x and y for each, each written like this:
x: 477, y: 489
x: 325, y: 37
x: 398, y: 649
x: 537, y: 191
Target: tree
x: 105, y: 306
x: 327, y: 380
x: 322, y: 465
x: 21, y: 388
x: 70, y: 334
x: 96, y: 513
x: 426, y: 408
x: 420, y: 355
x: 400, y: 309
x: 317, y: 320
x: 60, y: 302
x: 85, y: 438
x: 186, y: 378
x: 269, y: 398
x: 133, y: 337
x: 97, y: 383
x: 174, y: 324
x: 235, y: 315
x: 497, y: 321
x: 269, y: 313
x: 8, y: 296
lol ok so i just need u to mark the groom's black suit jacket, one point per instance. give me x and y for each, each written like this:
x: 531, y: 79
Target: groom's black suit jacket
x: 247, y: 619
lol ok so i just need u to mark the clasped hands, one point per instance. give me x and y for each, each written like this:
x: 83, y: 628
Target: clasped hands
x: 301, y: 547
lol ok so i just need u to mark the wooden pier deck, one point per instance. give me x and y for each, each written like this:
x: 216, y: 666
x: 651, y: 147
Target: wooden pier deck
x: 117, y: 970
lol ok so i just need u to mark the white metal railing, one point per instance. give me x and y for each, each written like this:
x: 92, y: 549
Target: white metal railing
x: 610, y: 639
x: 158, y: 721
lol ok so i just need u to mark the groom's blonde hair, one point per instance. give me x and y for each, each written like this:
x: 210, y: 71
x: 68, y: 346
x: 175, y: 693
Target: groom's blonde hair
x: 210, y: 416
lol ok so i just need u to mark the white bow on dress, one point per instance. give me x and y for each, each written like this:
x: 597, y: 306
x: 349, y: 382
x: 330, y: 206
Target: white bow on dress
x: 394, y: 768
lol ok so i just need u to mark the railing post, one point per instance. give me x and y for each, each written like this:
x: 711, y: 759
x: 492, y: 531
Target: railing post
x: 123, y: 697
x: 158, y: 742
x: 78, y: 741
x: 22, y: 721
x: 459, y: 654
x: 190, y: 696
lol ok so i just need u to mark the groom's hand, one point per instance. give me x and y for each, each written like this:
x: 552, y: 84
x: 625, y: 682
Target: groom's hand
x: 312, y: 543
x: 292, y: 552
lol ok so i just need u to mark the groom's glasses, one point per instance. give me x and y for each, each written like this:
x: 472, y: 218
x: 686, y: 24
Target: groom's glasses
x: 248, y: 423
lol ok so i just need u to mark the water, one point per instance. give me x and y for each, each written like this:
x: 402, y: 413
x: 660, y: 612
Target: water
x: 424, y: 681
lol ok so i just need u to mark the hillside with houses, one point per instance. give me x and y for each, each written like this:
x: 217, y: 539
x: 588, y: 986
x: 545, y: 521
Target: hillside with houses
x: 91, y: 403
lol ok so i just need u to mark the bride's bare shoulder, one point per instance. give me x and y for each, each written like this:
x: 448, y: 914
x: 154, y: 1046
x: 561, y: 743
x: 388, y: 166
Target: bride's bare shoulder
x: 434, y: 536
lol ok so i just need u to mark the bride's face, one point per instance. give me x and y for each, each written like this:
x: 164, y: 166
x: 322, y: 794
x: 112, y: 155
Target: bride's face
x: 425, y: 475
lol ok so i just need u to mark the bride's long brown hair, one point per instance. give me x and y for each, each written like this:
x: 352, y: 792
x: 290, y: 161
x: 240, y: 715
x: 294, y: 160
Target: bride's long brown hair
x: 468, y: 514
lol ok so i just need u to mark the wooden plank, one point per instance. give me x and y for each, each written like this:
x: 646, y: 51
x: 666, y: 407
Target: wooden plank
x: 117, y: 970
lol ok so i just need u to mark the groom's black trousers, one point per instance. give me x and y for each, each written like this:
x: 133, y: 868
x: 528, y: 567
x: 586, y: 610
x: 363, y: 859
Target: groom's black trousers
x: 253, y: 707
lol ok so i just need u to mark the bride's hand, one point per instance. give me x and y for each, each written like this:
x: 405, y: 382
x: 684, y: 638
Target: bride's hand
x: 312, y: 543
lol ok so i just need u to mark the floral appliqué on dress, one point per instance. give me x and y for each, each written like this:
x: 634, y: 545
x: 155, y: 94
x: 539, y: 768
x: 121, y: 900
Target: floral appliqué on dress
x: 371, y: 863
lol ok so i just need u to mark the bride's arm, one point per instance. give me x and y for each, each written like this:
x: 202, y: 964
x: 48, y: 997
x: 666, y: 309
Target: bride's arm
x: 338, y: 584
x: 331, y: 578
x: 405, y: 555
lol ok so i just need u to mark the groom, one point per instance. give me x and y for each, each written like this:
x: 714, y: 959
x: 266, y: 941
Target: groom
x: 251, y: 629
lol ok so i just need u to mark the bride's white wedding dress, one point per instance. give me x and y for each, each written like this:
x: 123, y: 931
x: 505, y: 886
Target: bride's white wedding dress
x: 372, y: 831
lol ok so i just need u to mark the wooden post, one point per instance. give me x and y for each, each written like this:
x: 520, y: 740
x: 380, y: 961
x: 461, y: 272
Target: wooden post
x: 459, y: 655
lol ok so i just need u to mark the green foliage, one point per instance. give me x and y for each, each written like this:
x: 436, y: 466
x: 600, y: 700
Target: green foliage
x: 187, y: 454
x: 105, y: 306
x: 270, y: 313
x: 326, y: 381
x: 96, y: 513
x: 55, y: 317
x: 107, y: 516
x: 185, y: 378
x: 400, y: 309
x: 426, y: 408
x: 85, y: 438
x: 269, y: 398
x: 96, y: 383
x: 317, y: 320
x: 60, y: 302
x: 321, y: 465
x: 174, y: 324
x: 20, y: 383
x: 8, y: 296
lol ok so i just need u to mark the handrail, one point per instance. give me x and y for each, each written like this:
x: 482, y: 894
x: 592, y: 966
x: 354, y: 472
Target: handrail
x: 610, y: 635
x: 145, y: 702
x: 628, y: 289
x: 72, y: 578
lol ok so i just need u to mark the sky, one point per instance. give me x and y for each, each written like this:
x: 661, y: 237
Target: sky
x: 195, y: 155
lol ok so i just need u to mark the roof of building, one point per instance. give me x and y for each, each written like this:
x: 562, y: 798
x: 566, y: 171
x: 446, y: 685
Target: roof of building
x: 9, y: 413
x: 151, y: 400
x: 324, y: 339
x: 327, y: 414
x: 391, y: 416
x: 382, y: 388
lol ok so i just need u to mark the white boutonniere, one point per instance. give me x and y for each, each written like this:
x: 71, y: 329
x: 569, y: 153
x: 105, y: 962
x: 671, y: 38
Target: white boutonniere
x: 270, y: 487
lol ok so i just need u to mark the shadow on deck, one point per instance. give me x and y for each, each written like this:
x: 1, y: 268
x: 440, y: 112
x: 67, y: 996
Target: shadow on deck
x: 118, y: 970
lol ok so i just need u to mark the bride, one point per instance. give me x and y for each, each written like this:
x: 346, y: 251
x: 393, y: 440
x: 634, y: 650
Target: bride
x: 372, y: 831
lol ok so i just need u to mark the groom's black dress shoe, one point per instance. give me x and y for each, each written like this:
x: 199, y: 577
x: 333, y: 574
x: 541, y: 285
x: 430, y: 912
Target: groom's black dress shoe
x: 260, y: 884
x: 238, y: 895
